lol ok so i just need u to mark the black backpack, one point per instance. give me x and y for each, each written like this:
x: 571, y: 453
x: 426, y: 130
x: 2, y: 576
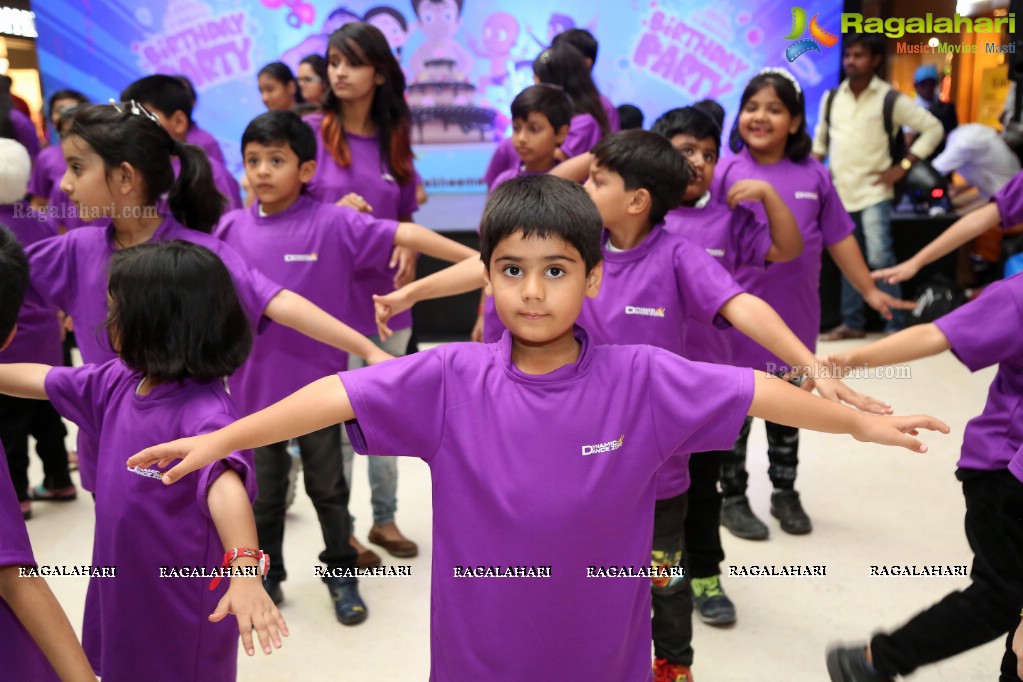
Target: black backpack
x: 896, y: 138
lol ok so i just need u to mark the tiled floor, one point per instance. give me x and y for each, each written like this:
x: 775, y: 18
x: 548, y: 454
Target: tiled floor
x: 870, y: 505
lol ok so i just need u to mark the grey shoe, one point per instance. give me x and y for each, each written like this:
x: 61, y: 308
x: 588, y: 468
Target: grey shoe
x: 786, y: 507
x: 740, y: 520
x: 849, y: 664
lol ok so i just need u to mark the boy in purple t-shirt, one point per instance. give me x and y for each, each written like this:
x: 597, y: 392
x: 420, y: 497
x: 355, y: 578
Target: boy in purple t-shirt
x: 530, y: 521
x: 35, y: 635
x: 981, y: 333
x: 316, y: 249
x: 540, y: 118
x: 168, y: 99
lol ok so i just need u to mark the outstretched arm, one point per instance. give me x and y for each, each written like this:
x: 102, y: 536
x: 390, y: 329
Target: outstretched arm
x: 849, y: 259
x: 24, y: 380
x: 778, y: 401
x: 576, y: 169
x: 245, y: 598
x: 917, y: 342
x: 316, y: 406
x: 424, y: 240
x: 37, y: 609
x: 304, y: 316
x: 461, y: 277
x: 970, y: 226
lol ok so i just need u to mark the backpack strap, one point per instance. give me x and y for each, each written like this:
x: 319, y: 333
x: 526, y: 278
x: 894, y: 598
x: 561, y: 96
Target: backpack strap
x: 830, y: 99
x: 887, y: 112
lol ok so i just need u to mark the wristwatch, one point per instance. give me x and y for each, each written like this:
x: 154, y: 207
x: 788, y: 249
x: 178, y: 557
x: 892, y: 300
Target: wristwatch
x: 905, y: 164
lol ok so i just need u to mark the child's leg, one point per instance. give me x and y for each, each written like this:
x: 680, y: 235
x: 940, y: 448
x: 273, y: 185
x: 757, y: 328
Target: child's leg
x: 703, y: 540
x: 672, y: 600
x: 782, y: 455
x: 736, y: 514
x: 49, y: 432
x: 326, y: 486
x: 272, y: 464
x: 989, y: 607
x: 733, y: 466
x: 15, y: 425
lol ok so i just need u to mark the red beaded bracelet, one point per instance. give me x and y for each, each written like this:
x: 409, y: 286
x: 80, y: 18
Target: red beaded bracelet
x: 243, y: 553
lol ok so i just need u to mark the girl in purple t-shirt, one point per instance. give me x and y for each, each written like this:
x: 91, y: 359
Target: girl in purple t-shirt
x: 770, y: 143
x: 179, y: 328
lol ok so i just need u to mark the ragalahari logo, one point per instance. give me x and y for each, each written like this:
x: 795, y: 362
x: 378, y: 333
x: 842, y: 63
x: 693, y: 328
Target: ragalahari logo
x: 818, y: 36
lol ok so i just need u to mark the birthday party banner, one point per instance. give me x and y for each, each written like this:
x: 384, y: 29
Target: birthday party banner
x: 464, y: 60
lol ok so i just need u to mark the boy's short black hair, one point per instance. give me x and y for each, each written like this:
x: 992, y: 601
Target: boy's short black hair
x: 166, y: 94
x: 646, y: 160
x: 580, y: 39
x: 282, y: 127
x: 630, y: 116
x: 549, y: 100
x: 712, y: 108
x: 175, y: 313
x: 13, y: 281
x: 542, y: 206
x: 689, y: 121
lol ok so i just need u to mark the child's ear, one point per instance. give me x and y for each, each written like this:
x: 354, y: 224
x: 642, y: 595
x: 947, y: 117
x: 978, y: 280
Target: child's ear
x: 796, y: 122
x: 307, y: 170
x: 292, y: 88
x: 593, y: 280
x: 125, y: 178
x: 561, y: 134
x: 640, y: 201
x: 488, y: 289
x: 10, y: 337
x: 177, y: 125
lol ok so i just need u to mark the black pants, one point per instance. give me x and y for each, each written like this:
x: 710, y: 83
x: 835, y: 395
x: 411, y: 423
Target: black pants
x: 703, y: 520
x: 21, y: 418
x: 672, y: 622
x: 782, y: 453
x: 325, y: 484
x: 989, y: 607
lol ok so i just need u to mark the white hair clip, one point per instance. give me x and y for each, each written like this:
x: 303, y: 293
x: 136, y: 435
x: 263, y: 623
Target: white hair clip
x: 136, y: 109
x: 784, y: 73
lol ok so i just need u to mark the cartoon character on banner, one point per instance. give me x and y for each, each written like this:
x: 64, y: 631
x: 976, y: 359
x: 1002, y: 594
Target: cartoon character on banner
x: 317, y: 43
x: 392, y: 24
x: 500, y: 33
x: 301, y: 12
x: 439, y: 20
x: 558, y: 23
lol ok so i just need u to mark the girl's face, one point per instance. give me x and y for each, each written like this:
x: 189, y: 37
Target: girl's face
x: 312, y: 86
x: 85, y: 180
x: 765, y: 122
x: 60, y: 105
x: 351, y: 83
x: 276, y: 95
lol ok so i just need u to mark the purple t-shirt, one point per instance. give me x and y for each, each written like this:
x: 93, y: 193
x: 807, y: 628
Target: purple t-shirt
x: 511, y: 491
x: 982, y: 333
x: 612, y: 114
x: 583, y: 135
x: 1010, y: 201
x: 25, y: 133
x: 791, y: 288
x: 201, y: 138
x: 142, y: 525
x: 734, y: 238
x: 222, y: 180
x: 38, y: 335
x: 47, y: 170
x: 368, y: 176
x: 22, y: 658
x: 649, y: 295
x: 318, y: 251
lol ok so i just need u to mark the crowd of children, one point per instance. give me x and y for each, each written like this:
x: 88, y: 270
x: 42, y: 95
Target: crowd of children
x: 240, y: 338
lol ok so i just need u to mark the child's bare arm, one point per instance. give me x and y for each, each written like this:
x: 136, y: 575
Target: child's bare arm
x: 459, y: 278
x: 24, y: 380
x: 37, y: 609
x: 424, y: 240
x: 576, y: 169
x: 778, y: 401
x: 246, y: 599
x: 849, y: 259
x: 913, y: 343
x: 296, y: 311
x: 786, y: 239
x: 311, y: 408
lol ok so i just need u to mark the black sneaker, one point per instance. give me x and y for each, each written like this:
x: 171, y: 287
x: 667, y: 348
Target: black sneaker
x: 273, y: 588
x: 348, y: 605
x: 785, y: 507
x: 713, y: 605
x: 850, y: 665
x: 740, y: 520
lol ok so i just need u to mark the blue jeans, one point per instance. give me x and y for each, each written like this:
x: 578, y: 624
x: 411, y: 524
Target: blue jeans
x: 874, y: 234
x: 383, y: 471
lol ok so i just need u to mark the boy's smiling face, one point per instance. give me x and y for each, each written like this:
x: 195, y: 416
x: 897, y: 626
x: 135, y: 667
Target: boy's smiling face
x: 539, y: 285
x: 536, y: 141
x: 702, y: 157
x: 275, y: 174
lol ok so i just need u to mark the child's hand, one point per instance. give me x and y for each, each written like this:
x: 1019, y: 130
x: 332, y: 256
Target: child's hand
x: 897, y: 273
x: 404, y: 259
x: 387, y: 307
x: 883, y: 303
x: 353, y: 200
x: 833, y: 389
x: 871, y: 428
x: 251, y: 605
x: 748, y: 190
x: 194, y: 452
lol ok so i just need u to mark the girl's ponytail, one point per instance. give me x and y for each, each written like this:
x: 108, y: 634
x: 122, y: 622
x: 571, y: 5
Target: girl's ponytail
x: 193, y: 199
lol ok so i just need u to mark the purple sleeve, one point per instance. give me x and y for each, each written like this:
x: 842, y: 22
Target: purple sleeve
x: 751, y: 237
x: 25, y: 132
x: 504, y: 158
x: 50, y: 268
x: 80, y: 394
x: 835, y: 223
x: 985, y: 331
x: 704, y: 284
x: 698, y: 407
x: 368, y: 240
x: 1010, y: 202
x: 255, y: 290
x: 241, y: 463
x: 583, y: 135
x: 380, y: 396
x: 15, y: 548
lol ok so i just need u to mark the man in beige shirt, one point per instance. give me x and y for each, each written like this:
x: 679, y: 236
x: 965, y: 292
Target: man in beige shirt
x: 862, y: 168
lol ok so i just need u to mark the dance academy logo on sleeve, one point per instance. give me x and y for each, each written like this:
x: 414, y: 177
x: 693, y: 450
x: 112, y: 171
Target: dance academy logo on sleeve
x: 818, y: 36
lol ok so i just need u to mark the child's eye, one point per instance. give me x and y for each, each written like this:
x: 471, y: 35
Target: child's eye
x: 709, y: 158
x: 512, y: 270
x: 277, y: 162
x: 686, y: 151
x: 555, y: 271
